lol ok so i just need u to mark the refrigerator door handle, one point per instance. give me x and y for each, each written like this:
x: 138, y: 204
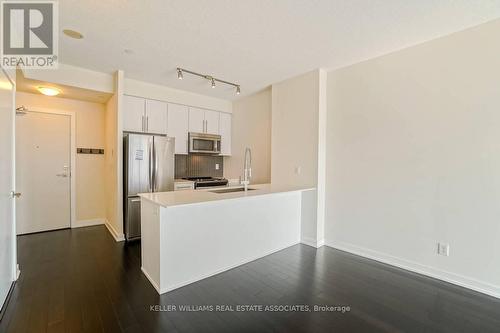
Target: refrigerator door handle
x: 150, y: 171
x: 155, y: 167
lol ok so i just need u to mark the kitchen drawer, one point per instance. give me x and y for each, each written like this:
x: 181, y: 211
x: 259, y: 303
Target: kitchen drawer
x: 183, y: 186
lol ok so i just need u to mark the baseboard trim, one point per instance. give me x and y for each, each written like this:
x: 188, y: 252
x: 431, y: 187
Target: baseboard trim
x: 456, y: 279
x: 3, y: 308
x: 118, y: 237
x: 204, y: 276
x: 88, y: 223
x: 151, y: 280
x: 312, y: 242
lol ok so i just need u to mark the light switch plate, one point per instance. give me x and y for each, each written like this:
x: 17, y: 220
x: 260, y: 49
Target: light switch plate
x: 217, y: 166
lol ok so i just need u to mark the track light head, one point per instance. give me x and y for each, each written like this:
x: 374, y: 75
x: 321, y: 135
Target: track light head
x: 180, y: 76
x: 238, y: 91
x: 213, y: 83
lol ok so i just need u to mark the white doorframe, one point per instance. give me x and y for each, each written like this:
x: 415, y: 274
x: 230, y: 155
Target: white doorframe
x: 72, y: 167
x: 15, y: 267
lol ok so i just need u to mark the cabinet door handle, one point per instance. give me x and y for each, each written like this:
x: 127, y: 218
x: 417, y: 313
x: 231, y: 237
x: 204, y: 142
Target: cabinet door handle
x: 143, y: 127
x: 147, y: 123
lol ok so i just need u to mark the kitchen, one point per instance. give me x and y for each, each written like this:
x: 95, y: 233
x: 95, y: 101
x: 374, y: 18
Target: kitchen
x: 190, y: 157
x: 171, y: 147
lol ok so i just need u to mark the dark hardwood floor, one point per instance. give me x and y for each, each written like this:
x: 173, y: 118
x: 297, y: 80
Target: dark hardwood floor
x: 81, y: 280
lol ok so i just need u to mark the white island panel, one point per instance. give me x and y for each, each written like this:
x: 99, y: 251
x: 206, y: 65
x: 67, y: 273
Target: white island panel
x: 198, y: 241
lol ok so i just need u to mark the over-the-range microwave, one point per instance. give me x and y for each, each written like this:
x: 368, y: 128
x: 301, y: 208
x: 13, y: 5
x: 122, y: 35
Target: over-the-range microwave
x: 204, y: 143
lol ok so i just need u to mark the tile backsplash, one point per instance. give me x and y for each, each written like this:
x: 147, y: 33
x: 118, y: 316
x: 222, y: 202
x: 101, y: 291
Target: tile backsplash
x: 198, y: 166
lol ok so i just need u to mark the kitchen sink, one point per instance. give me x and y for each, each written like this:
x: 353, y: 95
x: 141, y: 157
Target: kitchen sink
x: 231, y: 190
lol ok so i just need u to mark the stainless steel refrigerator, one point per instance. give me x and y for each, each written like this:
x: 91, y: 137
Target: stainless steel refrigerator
x: 148, y: 167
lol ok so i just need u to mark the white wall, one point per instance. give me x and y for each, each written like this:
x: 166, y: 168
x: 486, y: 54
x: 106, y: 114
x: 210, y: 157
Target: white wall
x: 251, y: 127
x: 162, y: 93
x: 73, y: 76
x: 89, y: 134
x: 113, y: 163
x: 413, y: 158
x: 294, y: 135
x: 297, y: 144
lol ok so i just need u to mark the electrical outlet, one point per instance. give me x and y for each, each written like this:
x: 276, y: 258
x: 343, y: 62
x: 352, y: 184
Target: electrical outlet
x: 217, y: 167
x: 443, y: 249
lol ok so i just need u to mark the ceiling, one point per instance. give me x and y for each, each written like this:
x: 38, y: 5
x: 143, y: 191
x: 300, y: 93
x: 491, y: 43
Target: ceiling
x: 254, y: 43
x: 30, y: 86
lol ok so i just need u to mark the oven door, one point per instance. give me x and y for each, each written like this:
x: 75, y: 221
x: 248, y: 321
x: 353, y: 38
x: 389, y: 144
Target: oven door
x: 204, y: 143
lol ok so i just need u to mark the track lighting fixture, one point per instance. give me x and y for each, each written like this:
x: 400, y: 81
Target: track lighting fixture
x: 181, y: 71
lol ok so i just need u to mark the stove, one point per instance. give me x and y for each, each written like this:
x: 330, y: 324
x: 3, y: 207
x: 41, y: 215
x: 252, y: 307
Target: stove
x: 200, y: 182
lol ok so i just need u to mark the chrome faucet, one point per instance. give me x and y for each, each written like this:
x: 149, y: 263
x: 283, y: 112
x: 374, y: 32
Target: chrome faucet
x: 247, y: 172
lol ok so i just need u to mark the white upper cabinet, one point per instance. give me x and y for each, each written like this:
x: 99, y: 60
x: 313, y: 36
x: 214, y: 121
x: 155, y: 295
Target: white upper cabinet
x: 133, y: 114
x: 144, y: 115
x: 203, y: 121
x: 196, y: 120
x: 178, y: 126
x: 211, y: 122
x: 156, y: 117
x: 225, y: 133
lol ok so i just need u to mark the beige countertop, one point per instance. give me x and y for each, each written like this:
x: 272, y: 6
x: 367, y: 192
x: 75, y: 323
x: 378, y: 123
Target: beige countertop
x: 180, y: 198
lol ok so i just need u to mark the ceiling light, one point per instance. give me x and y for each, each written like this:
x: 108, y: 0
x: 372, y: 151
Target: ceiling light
x: 182, y: 71
x: 72, y: 34
x: 48, y: 91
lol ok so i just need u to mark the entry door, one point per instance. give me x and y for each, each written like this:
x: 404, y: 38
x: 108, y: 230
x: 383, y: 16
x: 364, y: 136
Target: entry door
x: 7, y: 237
x: 43, y: 144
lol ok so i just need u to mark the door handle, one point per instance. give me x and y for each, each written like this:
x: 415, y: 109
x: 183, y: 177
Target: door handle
x: 15, y: 195
x: 150, y: 170
x: 62, y: 175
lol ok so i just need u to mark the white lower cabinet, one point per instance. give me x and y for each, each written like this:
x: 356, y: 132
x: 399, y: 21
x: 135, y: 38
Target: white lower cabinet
x: 183, y: 186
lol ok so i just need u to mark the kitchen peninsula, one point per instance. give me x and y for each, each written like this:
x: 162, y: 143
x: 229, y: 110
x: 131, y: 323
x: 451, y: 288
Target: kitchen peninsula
x: 191, y: 235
